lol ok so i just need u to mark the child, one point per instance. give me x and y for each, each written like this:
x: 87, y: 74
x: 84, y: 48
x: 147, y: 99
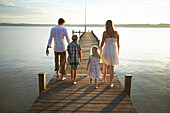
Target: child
x: 74, y: 58
x: 93, y: 65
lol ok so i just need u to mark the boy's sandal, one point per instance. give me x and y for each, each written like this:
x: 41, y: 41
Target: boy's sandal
x: 111, y: 86
x: 96, y: 87
x: 74, y: 83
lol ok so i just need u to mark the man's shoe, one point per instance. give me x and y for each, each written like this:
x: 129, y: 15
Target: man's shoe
x: 63, y: 78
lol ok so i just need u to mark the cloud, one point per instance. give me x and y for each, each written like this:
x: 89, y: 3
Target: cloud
x: 120, y: 11
x: 11, y: 10
x: 54, y: 2
x: 20, y: 14
x: 8, y: 3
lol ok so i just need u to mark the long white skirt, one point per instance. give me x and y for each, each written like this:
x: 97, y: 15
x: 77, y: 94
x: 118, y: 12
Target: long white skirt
x: 110, y: 54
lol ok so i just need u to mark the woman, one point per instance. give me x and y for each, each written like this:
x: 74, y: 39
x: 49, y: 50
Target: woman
x: 110, y: 50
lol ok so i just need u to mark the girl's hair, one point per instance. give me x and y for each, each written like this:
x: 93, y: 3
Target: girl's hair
x: 109, y: 28
x: 95, y: 51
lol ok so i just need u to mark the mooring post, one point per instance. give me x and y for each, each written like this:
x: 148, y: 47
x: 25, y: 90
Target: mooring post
x: 128, y: 83
x: 98, y: 42
x: 42, y: 81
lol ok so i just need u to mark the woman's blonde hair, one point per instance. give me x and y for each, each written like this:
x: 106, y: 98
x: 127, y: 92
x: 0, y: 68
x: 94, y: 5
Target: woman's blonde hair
x: 109, y: 28
x: 95, y: 51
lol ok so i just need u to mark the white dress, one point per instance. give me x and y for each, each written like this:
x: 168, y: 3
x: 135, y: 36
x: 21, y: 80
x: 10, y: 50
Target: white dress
x: 94, y: 69
x: 110, y: 52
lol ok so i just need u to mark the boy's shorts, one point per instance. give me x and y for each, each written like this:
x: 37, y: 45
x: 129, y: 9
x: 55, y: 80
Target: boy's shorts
x: 74, y: 65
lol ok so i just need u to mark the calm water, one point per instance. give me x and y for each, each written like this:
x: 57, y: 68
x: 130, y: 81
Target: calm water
x: 144, y: 53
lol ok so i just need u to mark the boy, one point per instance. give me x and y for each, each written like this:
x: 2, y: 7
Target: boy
x: 74, y: 58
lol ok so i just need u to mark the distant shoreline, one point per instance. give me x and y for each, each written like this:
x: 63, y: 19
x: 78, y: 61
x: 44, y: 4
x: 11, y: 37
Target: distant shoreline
x: 90, y: 25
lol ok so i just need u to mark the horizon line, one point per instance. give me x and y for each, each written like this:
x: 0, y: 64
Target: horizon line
x: 86, y: 24
x: 161, y: 25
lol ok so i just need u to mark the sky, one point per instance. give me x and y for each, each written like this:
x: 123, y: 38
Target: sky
x: 73, y: 11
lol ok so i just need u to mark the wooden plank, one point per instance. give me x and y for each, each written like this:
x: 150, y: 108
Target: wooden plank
x: 64, y: 97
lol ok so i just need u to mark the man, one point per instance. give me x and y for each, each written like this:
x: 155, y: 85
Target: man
x: 59, y: 33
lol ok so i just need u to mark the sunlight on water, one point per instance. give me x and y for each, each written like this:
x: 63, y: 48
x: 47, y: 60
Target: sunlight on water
x: 144, y: 53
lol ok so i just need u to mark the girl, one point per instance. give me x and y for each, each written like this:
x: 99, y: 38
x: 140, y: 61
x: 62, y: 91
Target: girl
x: 93, y: 65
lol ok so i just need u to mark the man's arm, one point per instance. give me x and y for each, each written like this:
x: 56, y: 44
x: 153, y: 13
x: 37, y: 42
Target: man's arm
x: 67, y: 38
x: 49, y: 43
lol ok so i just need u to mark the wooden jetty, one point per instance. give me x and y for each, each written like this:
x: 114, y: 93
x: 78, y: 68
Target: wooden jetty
x: 64, y: 97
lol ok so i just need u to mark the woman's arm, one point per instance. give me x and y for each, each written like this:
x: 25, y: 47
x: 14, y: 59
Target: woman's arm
x: 103, y: 39
x: 88, y: 64
x: 118, y: 42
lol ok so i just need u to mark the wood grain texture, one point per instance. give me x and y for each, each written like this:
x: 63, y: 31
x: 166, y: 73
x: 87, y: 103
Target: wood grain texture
x: 64, y: 97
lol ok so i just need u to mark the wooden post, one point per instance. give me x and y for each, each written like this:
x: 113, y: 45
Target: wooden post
x: 98, y: 42
x: 128, y: 83
x: 79, y: 32
x: 42, y: 81
x: 72, y: 32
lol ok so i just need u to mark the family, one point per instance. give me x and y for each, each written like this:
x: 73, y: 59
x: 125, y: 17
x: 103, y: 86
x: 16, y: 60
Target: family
x: 109, y: 53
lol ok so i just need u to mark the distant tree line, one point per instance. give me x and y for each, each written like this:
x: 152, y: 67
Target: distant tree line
x: 91, y: 25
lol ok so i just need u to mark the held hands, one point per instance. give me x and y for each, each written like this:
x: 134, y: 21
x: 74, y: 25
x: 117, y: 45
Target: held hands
x: 100, y: 50
x: 86, y: 68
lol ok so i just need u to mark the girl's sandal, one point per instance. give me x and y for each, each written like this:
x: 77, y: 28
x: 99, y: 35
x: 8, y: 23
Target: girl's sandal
x: 110, y: 86
x: 74, y: 83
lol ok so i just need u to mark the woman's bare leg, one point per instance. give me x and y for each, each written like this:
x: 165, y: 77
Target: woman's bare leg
x: 91, y: 80
x: 104, y: 71
x: 111, y: 75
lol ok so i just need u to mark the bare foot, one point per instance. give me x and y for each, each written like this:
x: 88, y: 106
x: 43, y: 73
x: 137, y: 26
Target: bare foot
x: 104, y: 80
x: 57, y: 74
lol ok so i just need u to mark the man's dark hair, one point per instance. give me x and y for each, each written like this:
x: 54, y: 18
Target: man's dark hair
x: 61, y: 20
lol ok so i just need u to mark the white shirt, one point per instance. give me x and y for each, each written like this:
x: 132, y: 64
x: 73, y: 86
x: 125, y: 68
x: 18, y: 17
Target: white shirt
x: 58, y: 32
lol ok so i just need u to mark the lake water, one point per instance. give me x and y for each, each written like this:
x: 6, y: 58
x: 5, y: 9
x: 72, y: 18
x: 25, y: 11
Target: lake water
x: 144, y: 53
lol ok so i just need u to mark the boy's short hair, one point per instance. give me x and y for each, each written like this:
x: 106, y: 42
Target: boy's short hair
x: 74, y: 37
x: 61, y: 20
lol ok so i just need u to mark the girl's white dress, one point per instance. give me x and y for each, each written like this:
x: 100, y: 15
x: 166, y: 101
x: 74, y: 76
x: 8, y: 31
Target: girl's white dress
x: 110, y: 52
x: 94, y: 69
